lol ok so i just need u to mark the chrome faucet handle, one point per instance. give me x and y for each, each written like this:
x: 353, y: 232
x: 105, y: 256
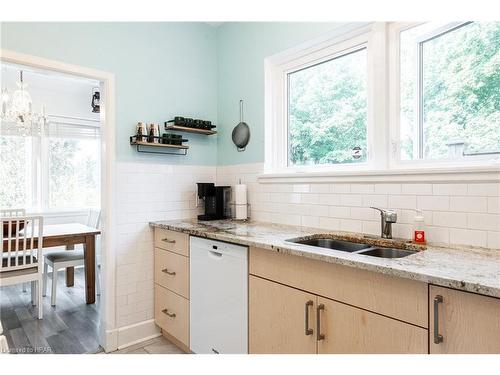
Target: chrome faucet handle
x: 387, y: 217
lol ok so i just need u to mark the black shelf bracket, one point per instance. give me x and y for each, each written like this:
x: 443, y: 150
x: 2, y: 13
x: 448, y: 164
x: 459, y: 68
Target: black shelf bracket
x: 145, y: 149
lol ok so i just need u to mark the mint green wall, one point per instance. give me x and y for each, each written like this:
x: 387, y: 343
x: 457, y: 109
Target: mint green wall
x: 241, y: 49
x: 161, y: 69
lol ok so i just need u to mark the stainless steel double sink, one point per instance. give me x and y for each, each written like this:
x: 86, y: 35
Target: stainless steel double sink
x: 354, y: 247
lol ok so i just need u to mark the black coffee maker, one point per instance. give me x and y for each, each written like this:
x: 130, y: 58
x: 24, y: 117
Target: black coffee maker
x: 216, y: 200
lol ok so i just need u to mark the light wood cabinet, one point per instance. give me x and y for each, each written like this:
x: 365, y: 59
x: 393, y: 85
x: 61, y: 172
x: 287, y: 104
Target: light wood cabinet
x: 277, y: 319
x: 462, y: 322
x: 172, y: 271
x: 171, y: 267
x: 396, y: 297
x: 172, y: 314
x: 285, y: 320
x: 349, y: 330
x: 172, y: 241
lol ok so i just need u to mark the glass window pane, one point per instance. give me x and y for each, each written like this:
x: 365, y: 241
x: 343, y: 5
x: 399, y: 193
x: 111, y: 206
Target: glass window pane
x: 460, y: 96
x: 15, y: 172
x: 74, y: 172
x: 327, y: 111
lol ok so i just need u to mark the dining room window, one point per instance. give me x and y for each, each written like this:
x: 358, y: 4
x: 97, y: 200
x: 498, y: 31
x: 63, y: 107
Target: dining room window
x: 56, y: 170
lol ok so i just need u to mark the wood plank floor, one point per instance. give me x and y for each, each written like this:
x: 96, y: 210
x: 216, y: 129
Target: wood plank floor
x: 69, y: 327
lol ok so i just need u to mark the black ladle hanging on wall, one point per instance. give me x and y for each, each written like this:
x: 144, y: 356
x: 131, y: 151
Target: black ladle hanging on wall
x: 241, y: 132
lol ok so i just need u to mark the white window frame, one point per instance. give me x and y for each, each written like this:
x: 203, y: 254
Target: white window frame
x: 38, y: 194
x: 343, y: 41
x: 396, y: 163
x: 384, y: 162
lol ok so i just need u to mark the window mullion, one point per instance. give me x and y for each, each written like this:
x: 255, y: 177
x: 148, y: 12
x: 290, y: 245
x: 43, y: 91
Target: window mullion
x: 420, y: 100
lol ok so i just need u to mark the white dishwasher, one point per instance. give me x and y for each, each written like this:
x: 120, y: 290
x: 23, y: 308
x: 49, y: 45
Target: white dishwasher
x: 218, y: 295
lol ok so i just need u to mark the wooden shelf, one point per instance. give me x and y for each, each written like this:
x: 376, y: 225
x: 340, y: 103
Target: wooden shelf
x: 190, y: 130
x: 159, y: 147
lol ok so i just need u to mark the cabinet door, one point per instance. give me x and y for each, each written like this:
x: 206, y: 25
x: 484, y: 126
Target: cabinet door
x: 464, y: 323
x: 347, y: 329
x: 277, y: 319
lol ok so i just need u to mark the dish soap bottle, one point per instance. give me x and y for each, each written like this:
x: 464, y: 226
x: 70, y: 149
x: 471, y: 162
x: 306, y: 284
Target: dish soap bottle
x: 419, y: 227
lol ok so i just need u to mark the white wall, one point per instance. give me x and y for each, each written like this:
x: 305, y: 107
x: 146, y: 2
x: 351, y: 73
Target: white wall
x: 147, y: 192
x: 455, y: 213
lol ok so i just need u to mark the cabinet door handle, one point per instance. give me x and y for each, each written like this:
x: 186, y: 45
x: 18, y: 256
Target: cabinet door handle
x: 319, y: 335
x: 308, y: 330
x: 165, y: 311
x: 167, y: 240
x: 172, y: 273
x: 437, y: 337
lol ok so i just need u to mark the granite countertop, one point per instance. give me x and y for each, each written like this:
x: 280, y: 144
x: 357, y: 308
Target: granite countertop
x: 474, y: 270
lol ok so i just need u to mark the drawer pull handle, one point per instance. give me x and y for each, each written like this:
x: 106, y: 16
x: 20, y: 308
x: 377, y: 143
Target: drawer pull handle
x: 167, y: 240
x: 437, y: 337
x: 308, y: 330
x: 172, y: 273
x: 319, y: 335
x: 165, y: 311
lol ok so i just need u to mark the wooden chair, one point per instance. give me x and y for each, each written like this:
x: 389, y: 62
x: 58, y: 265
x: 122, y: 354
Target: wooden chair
x: 22, y: 260
x: 69, y: 258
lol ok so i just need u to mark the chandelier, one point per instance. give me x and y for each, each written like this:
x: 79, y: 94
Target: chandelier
x: 17, y: 111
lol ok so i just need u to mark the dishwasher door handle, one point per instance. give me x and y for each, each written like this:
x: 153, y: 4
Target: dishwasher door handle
x: 215, y: 254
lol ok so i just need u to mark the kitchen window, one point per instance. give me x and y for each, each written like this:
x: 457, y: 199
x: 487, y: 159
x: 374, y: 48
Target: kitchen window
x: 321, y: 104
x: 56, y: 171
x: 327, y: 111
x: 385, y: 99
x: 449, y: 91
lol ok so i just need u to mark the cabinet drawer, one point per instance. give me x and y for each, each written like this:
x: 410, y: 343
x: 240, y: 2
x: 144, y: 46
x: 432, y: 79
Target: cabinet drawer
x: 172, y: 271
x: 172, y: 241
x: 396, y: 297
x: 172, y: 314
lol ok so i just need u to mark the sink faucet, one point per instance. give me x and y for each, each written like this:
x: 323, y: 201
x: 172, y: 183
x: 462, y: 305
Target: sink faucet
x: 387, y: 217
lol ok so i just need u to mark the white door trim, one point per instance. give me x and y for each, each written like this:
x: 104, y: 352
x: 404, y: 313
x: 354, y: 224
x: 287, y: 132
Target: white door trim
x: 108, y: 338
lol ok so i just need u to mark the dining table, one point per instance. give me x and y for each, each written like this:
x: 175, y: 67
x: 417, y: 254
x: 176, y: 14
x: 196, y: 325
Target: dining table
x: 68, y: 235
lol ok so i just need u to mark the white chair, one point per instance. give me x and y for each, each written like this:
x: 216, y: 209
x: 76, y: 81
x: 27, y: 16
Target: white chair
x: 22, y: 260
x: 69, y: 258
x: 14, y: 212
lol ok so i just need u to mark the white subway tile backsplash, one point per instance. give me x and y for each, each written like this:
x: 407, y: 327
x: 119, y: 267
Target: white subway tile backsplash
x: 483, y: 221
x: 402, y: 201
x: 352, y: 200
x: 494, y: 205
x: 449, y: 189
x: 469, y: 204
x: 387, y: 189
x: 449, y: 219
x: 430, y: 202
x: 329, y: 199
x: 301, y: 188
x: 468, y: 237
x: 467, y: 213
x: 493, y: 240
x: 416, y: 189
x: 375, y: 200
x: 484, y: 190
x: 362, y: 188
x: 341, y: 188
x: 349, y: 225
x: 339, y: 212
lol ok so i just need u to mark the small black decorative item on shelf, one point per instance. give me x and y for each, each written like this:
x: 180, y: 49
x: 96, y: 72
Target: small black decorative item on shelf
x: 189, y: 125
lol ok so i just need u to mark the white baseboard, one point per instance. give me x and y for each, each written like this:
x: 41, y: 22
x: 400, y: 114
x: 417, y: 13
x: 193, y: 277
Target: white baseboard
x: 132, y: 334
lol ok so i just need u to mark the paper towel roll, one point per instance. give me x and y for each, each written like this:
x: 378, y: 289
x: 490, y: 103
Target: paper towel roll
x: 241, y: 211
x: 240, y: 194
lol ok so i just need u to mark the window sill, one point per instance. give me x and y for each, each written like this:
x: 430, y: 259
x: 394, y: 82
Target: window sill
x: 456, y: 174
